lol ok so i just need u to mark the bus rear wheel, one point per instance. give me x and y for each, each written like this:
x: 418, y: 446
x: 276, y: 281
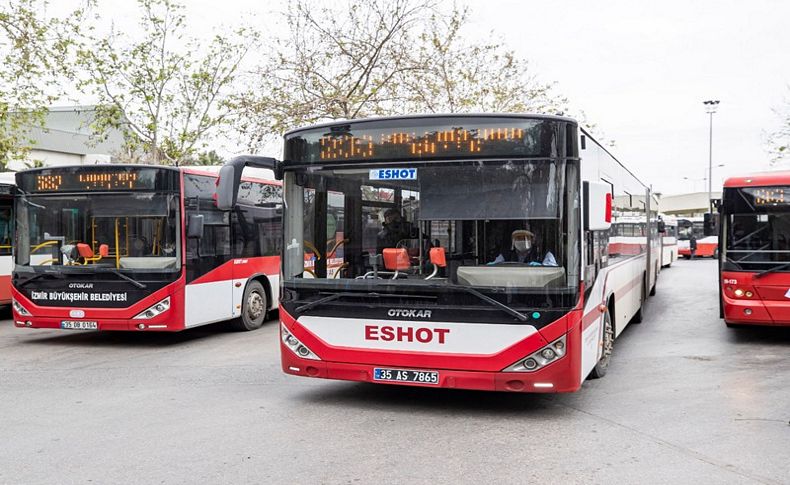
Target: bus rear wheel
x: 607, y: 343
x: 254, y: 307
x: 638, y: 316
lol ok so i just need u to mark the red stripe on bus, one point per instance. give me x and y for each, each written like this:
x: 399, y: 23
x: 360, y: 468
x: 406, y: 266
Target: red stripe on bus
x: 590, y: 318
x: 239, y: 268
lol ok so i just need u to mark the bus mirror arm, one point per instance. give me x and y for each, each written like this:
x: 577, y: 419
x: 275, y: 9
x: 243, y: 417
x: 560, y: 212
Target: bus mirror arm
x: 230, y: 177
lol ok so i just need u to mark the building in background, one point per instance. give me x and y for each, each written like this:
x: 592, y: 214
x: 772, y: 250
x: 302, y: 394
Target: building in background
x: 66, y: 140
x: 694, y: 204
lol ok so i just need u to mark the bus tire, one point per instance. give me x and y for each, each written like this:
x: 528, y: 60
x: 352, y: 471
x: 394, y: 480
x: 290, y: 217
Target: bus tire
x: 254, y: 306
x: 607, y: 345
x: 637, y: 318
x: 655, y: 283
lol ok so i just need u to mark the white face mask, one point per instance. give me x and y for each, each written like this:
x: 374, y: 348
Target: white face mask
x: 522, y: 245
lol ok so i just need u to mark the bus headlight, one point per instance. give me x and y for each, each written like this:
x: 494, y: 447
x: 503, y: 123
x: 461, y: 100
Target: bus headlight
x: 20, y: 309
x: 296, y: 346
x: 154, y: 310
x: 541, y: 358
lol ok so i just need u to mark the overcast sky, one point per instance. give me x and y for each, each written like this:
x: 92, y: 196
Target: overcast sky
x: 639, y: 70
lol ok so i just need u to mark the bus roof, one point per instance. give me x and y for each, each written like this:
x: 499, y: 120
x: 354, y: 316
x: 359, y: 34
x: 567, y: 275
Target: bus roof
x: 251, y: 174
x: 530, y: 116
x: 8, y: 178
x: 761, y: 179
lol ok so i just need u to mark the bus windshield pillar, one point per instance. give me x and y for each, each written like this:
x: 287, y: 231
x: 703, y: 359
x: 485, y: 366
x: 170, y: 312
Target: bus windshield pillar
x: 319, y: 232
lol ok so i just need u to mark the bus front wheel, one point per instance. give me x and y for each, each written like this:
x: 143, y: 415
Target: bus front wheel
x: 254, y: 306
x: 607, y: 346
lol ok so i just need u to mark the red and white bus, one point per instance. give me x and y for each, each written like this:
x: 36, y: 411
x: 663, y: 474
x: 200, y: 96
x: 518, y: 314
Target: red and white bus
x: 134, y: 247
x: 7, y: 186
x: 668, y: 228
x: 755, y: 258
x: 475, y: 251
x: 705, y: 235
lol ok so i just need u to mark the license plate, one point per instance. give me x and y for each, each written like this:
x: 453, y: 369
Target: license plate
x: 79, y: 325
x: 401, y: 375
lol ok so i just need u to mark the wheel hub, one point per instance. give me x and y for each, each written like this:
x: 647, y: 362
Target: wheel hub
x: 255, y: 305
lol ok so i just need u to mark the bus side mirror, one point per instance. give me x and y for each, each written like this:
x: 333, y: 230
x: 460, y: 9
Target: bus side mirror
x: 662, y: 227
x: 195, y: 226
x: 227, y: 187
x: 709, y: 224
x: 230, y: 177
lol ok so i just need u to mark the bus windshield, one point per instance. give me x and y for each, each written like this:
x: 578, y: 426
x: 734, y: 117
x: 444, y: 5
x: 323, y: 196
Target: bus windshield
x: 507, y: 224
x: 121, y: 231
x: 757, y: 227
x: 686, y: 229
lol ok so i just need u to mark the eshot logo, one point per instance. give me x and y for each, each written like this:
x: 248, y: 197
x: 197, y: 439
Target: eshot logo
x: 389, y: 333
x: 393, y: 174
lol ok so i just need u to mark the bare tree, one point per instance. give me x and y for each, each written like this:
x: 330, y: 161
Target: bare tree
x: 379, y: 57
x: 335, y: 62
x: 778, y: 141
x: 167, y: 91
x: 35, y: 69
x: 460, y: 75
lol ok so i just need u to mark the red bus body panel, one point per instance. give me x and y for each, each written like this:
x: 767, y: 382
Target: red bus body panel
x: 704, y: 250
x: 109, y: 318
x: 5, y: 289
x: 462, y: 371
x: 769, y: 303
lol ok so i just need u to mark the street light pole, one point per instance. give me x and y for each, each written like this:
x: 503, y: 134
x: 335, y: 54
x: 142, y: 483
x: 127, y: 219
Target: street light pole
x: 710, y: 108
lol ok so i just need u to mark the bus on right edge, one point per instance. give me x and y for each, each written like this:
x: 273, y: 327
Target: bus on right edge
x: 755, y: 256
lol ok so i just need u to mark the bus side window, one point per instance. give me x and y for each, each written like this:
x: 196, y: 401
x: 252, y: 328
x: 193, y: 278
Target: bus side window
x: 213, y: 249
x: 257, y: 220
x: 6, y: 226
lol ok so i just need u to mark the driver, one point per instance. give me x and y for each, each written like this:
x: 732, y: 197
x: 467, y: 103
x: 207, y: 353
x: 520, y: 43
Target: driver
x: 524, y: 250
x: 394, y: 229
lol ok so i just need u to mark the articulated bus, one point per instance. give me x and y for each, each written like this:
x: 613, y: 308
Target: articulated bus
x: 134, y: 247
x: 755, y: 257
x: 706, y: 238
x: 475, y: 251
x: 669, y: 240
x: 7, y: 186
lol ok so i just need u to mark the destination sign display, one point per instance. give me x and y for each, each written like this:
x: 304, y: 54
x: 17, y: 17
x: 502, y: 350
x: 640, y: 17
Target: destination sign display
x: 418, y: 139
x: 96, y: 179
x: 771, y: 196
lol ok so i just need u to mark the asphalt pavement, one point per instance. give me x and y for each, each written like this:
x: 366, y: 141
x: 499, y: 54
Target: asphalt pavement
x: 686, y: 400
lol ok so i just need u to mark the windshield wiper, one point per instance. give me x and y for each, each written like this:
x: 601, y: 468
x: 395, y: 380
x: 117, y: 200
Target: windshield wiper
x: 771, y: 270
x: 492, y: 302
x: 333, y: 296
x: 53, y: 274
x: 128, y: 278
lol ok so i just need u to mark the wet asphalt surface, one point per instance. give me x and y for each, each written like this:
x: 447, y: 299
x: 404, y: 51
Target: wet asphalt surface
x: 686, y: 400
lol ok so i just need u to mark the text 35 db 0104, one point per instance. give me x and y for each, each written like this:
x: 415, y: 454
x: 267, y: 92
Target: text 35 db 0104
x: 401, y: 375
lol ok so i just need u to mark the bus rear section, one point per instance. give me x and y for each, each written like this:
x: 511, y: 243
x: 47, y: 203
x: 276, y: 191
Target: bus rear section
x: 7, y: 186
x: 669, y: 240
x: 450, y: 251
x: 140, y: 248
x: 697, y: 237
x: 755, y: 260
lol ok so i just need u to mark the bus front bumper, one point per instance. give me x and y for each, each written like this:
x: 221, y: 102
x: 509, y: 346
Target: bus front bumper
x: 104, y: 324
x: 756, y: 312
x: 554, y: 377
